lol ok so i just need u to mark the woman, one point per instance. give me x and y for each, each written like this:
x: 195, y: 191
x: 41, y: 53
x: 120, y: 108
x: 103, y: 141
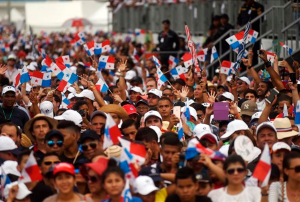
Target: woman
x: 279, y: 151
x: 235, y: 172
x: 64, y: 181
x: 113, y: 180
x: 288, y: 190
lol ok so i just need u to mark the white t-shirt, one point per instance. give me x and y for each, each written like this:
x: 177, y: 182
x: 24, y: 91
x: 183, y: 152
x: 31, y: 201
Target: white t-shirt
x: 275, y: 192
x: 249, y: 194
x: 260, y: 104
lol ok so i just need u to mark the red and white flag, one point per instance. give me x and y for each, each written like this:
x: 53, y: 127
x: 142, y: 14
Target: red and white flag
x: 202, y: 55
x: 111, y: 132
x: 187, y: 59
x: 270, y: 56
x: 64, y: 59
x: 137, y: 150
x: 31, y: 171
x: 262, y: 170
x: 192, y: 48
x: 226, y: 66
x: 90, y: 47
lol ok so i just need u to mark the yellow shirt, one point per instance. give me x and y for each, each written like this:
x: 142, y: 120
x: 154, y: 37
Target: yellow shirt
x: 161, y: 195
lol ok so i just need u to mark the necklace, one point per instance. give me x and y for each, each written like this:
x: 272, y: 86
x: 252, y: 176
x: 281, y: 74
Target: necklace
x: 9, y: 115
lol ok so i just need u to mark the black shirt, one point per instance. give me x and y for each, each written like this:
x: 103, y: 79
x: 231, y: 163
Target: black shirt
x: 14, y: 115
x: 63, y: 158
x: 168, y: 41
x: 175, y: 198
x: 40, y: 192
x: 245, y: 14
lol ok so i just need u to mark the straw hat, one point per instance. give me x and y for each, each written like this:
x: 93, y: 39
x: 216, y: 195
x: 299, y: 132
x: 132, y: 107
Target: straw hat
x: 113, y: 108
x: 113, y: 151
x: 284, y: 128
x: 25, y: 141
x: 28, y: 125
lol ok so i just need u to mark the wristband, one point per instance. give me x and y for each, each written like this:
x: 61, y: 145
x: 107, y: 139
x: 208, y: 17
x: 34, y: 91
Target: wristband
x: 268, y: 64
x: 92, y: 89
x: 237, y: 116
x: 204, y: 78
x: 233, y: 88
x: 250, y: 67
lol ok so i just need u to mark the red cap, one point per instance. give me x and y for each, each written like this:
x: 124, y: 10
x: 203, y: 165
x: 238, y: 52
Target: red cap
x: 130, y: 109
x: 99, y: 166
x: 64, y: 167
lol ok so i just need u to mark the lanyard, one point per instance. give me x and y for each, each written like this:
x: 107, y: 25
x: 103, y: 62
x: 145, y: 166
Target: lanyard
x: 9, y: 115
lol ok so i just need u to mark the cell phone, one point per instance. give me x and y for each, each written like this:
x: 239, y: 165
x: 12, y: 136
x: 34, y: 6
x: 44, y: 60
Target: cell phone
x: 293, y: 77
x: 176, y: 111
x: 259, y: 52
x: 221, y: 111
x: 271, y: 97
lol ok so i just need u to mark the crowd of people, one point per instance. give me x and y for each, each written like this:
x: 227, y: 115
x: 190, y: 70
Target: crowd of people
x: 202, y: 135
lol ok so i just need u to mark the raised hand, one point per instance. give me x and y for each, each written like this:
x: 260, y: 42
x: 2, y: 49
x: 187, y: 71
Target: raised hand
x: 3, y: 69
x: 212, y: 97
x: 184, y: 92
x: 122, y: 65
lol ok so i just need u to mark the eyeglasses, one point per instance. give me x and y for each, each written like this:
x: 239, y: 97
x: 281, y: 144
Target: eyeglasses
x: 231, y: 171
x: 296, y: 169
x: 59, y: 143
x: 84, y: 147
x: 48, y: 163
x: 199, y: 116
x: 240, y: 82
x: 92, y: 179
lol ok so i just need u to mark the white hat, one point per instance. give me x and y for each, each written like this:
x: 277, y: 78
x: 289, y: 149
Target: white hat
x: 157, y: 130
x: 229, y: 78
x: 152, y: 113
x: 10, y: 167
x: 245, y: 79
x: 7, y: 89
x: 137, y: 89
x: 27, y: 46
x: 284, y: 128
x: 144, y: 185
x: 23, y: 192
x: 233, y: 126
x: 266, y: 124
x: 15, y: 48
x: 46, y: 108
x: 87, y: 94
x: 228, y: 96
x: 70, y: 115
x: 70, y: 96
x: 72, y: 90
x: 224, y: 149
x: 12, y: 56
x: 193, y: 112
x: 7, y: 144
x: 155, y: 92
x: 32, y: 66
x: 200, y: 128
x: 189, y: 102
x: 244, y: 147
x: 73, y: 69
x: 130, y: 74
x: 280, y: 145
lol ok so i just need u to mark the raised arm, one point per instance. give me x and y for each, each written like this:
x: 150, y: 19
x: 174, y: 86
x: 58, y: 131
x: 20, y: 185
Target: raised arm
x: 122, y: 82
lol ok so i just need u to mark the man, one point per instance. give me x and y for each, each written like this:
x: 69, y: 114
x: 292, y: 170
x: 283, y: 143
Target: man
x: 145, y: 189
x: 168, y: 92
x: 131, y: 111
x: 225, y: 26
x: 200, y: 109
x: 168, y: 41
x: 248, y: 108
x: 134, y: 94
x: 153, y: 97
x: 9, y: 111
x: 262, y: 90
x: 11, y: 72
x: 242, y: 84
x: 12, y: 131
x: 151, y: 84
x: 36, y: 129
x: 137, y: 81
x: 47, y: 161
x: 284, y: 100
x: 98, y: 119
x: 90, y: 144
x: 117, y: 112
x: 8, y: 149
x: 54, y: 142
x: 149, y: 137
x: 153, y: 118
x: 129, y: 129
x: 251, y: 94
x: 89, y: 97
x: 186, y: 187
x: 165, y: 106
x: 285, y: 132
x: 142, y: 107
x: 222, y: 89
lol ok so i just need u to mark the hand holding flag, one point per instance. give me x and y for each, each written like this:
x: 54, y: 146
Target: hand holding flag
x: 31, y: 171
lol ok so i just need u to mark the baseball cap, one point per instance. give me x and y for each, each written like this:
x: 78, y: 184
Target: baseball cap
x: 72, y: 90
x: 142, y: 101
x: 152, y: 113
x: 244, y: 147
x: 10, y: 167
x: 144, y: 185
x: 203, y: 177
x: 88, y: 134
x: 209, y: 136
x: 233, y: 126
x: 97, y: 113
x: 130, y: 75
x: 70, y: 115
x: 8, y: 89
x: 200, y: 128
x: 245, y: 79
x: 137, y: 79
x: 98, y: 166
x: 151, y: 172
x: 53, y: 133
x: 7, y: 144
x: 130, y: 109
x: 70, y: 96
x: 266, y: 124
x: 23, y: 191
x: 223, y: 86
x: 12, y: 57
x: 64, y: 167
x: 157, y: 130
x: 256, y: 116
x: 155, y: 92
x: 284, y: 128
x: 46, y: 108
x: 136, y: 89
x: 228, y: 96
x: 86, y: 94
x: 166, y: 21
x: 248, y: 108
x: 280, y: 145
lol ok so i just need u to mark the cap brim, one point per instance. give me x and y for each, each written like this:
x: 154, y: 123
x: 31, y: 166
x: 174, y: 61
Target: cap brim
x: 22, y: 194
x: 226, y: 135
x: 59, y: 118
x: 282, y: 135
x: 248, y: 113
x: 147, y: 190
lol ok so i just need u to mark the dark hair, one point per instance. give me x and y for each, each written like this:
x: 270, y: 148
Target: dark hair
x: 78, y: 104
x: 166, y: 134
x: 146, y: 134
x: 287, y: 161
x: 275, y: 172
x: 104, y: 71
x: 233, y: 159
x: 180, y: 82
x: 68, y: 125
x: 269, y: 85
x: 56, y: 98
x: 198, y: 107
x: 251, y: 91
x: 41, y: 160
x: 20, y: 157
x: 111, y: 89
x: 61, y: 110
x: 127, y: 123
x: 191, y: 88
x: 113, y: 169
x: 284, y: 92
x: 166, y: 98
x: 171, y: 140
x: 185, y: 173
x: 11, y: 124
x: 283, y: 97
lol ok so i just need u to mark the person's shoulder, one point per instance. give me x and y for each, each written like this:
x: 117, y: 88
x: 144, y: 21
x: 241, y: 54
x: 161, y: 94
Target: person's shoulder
x: 258, y: 4
x: 276, y: 185
x: 202, y: 198
x: 172, y: 198
x: 253, y: 189
x: 52, y: 198
x: 136, y: 199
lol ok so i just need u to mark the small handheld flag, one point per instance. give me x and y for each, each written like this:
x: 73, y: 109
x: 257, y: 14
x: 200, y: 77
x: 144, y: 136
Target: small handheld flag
x: 288, y: 49
x: 178, y: 73
x: 90, y: 48
x: 226, y: 67
x: 173, y: 61
x: 31, y: 171
x: 106, y: 62
x: 102, y: 47
x: 202, y: 55
x: 111, y: 132
x: 214, y: 54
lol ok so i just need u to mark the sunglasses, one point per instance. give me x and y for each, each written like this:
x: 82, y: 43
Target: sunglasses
x: 232, y: 170
x: 48, y: 163
x: 240, y: 82
x: 92, y: 179
x: 59, y: 143
x: 84, y: 147
x: 296, y: 169
x: 199, y: 116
